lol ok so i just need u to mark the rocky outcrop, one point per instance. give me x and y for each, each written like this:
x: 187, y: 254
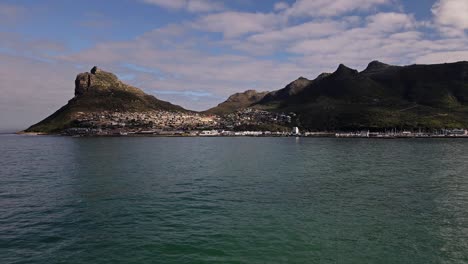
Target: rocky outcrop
x: 344, y: 71
x: 94, y: 80
x: 85, y: 80
x: 99, y: 91
x: 82, y: 83
x: 95, y: 70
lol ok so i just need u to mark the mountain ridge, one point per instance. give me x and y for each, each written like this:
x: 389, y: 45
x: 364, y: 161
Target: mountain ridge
x: 381, y: 96
x: 236, y: 102
x: 348, y: 99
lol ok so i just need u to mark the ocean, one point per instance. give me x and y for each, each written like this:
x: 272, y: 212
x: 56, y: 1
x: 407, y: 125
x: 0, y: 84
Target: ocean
x: 232, y: 200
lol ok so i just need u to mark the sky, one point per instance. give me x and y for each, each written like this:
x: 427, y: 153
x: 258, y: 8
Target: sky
x: 195, y: 53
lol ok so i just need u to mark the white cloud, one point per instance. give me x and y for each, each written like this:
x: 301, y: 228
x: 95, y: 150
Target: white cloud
x: 281, y: 6
x: 392, y: 37
x: 389, y: 22
x: 443, y: 57
x: 305, y: 30
x: 327, y: 8
x: 451, y: 14
x: 182, y: 67
x: 235, y: 24
x: 330, y: 36
x: 194, y: 6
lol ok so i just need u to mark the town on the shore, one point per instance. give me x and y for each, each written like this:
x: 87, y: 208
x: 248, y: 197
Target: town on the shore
x: 246, y: 122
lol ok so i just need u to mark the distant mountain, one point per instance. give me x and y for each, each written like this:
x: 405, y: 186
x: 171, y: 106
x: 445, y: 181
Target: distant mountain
x: 380, y: 97
x: 237, y: 101
x: 97, y: 91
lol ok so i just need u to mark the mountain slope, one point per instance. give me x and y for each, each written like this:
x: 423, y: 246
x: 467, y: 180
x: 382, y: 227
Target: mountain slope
x: 380, y: 97
x: 383, y: 96
x: 237, y: 101
x: 291, y: 89
x: 99, y: 91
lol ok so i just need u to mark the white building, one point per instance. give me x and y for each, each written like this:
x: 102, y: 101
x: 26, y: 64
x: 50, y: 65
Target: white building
x: 209, y: 133
x: 295, y: 131
x: 457, y: 132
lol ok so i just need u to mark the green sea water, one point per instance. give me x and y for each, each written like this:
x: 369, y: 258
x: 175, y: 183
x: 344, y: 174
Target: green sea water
x: 232, y: 200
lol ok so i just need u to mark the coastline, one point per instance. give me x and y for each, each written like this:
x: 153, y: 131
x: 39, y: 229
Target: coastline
x: 177, y: 135
x: 32, y: 133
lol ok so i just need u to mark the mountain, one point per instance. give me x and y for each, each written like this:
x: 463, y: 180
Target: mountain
x: 291, y: 89
x: 99, y: 91
x: 249, y: 98
x: 380, y: 97
x: 237, y: 101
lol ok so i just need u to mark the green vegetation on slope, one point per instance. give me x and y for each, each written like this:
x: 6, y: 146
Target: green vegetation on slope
x: 237, y: 101
x: 381, y: 97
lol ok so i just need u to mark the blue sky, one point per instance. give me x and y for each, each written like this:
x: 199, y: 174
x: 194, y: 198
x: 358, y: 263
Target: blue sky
x: 197, y: 52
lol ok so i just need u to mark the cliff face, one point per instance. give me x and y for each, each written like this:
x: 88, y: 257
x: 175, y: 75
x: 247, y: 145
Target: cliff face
x: 97, y: 91
x: 98, y: 81
x: 95, y: 78
x: 82, y: 83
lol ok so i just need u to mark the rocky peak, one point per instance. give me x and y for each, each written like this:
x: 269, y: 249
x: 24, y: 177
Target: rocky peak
x: 345, y: 71
x: 295, y: 87
x: 299, y: 82
x: 250, y: 92
x: 95, y: 79
x: 376, y: 65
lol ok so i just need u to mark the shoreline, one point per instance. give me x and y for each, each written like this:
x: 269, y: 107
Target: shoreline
x: 241, y: 136
x: 32, y: 133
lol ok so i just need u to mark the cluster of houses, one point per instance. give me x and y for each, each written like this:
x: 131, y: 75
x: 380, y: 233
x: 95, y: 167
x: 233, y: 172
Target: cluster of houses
x: 166, y: 123
x: 172, y: 123
x: 251, y: 116
x: 77, y: 131
x: 243, y: 133
x: 135, y: 121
